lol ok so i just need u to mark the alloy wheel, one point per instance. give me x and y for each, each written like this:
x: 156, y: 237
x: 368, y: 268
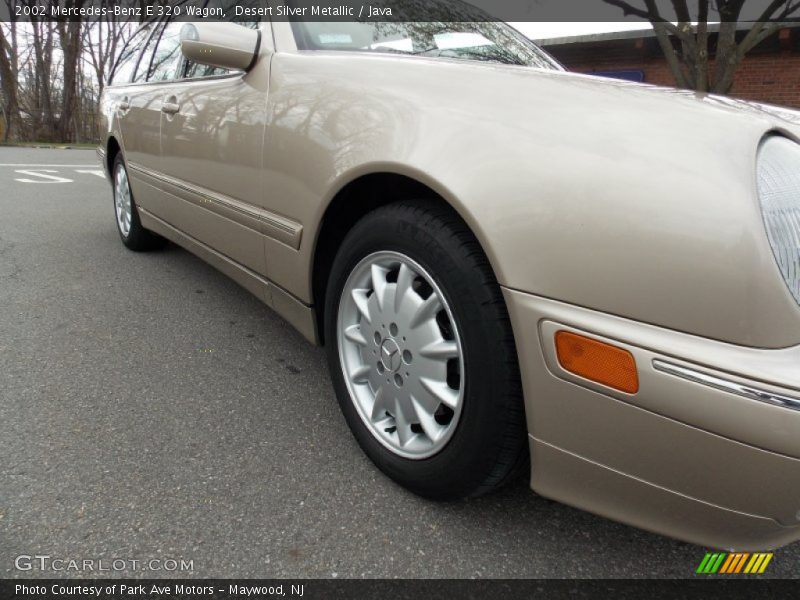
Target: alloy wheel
x: 401, y: 354
x: 122, y: 200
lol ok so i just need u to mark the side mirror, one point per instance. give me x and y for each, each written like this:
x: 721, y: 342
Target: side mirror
x: 225, y: 45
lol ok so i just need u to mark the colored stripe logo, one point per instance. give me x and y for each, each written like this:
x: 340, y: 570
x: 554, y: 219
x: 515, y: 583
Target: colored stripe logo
x: 734, y: 563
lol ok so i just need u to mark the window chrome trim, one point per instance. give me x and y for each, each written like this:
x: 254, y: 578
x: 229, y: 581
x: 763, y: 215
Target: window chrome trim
x: 725, y: 385
x: 234, y: 75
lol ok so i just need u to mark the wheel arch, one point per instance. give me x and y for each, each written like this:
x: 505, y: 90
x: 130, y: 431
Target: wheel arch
x: 355, y: 199
x: 113, y: 148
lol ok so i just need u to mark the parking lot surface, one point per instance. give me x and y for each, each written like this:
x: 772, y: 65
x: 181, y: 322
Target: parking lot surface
x: 152, y: 409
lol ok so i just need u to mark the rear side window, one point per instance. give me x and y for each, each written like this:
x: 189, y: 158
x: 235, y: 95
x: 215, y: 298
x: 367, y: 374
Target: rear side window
x: 122, y: 72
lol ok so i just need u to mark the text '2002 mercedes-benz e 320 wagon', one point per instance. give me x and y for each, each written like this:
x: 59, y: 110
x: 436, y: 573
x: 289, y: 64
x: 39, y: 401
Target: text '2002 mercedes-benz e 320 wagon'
x: 509, y: 265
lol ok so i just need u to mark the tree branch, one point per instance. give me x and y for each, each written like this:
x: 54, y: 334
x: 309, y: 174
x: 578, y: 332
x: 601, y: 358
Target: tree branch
x: 650, y: 14
x: 701, y: 68
x: 768, y: 24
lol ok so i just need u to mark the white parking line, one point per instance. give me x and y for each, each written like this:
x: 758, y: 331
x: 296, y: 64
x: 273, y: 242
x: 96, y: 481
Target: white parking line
x: 98, y: 172
x: 38, y: 173
x: 19, y: 166
x: 43, y: 177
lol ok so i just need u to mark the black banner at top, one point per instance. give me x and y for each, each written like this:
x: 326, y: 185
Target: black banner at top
x: 389, y: 10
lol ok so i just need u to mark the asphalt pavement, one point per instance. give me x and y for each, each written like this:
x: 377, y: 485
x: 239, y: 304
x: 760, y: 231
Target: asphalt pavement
x: 151, y: 409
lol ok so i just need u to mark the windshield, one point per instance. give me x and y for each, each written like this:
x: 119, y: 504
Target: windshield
x: 492, y: 41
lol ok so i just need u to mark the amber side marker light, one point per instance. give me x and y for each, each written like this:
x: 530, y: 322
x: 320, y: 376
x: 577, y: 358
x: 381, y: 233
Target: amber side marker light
x: 597, y: 361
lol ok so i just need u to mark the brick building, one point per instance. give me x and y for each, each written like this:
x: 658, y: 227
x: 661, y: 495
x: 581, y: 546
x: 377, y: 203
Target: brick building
x: 769, y: 73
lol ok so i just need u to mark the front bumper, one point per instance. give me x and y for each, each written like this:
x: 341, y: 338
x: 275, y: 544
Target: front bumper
x: 711, y: 464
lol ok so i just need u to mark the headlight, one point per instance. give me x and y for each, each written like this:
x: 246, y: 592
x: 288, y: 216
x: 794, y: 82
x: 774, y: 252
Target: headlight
x: 779, y: 192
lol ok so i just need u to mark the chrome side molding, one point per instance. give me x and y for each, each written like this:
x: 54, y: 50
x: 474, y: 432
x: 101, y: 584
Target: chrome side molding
x: 277, y: 227
x: 725, y: 385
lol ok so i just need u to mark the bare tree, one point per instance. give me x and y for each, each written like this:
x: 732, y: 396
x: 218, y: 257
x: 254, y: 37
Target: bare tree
x: 41, y: 102
x: 9, y: 70
x: 687, y: 46
x: 70, y: 38
x: 104, y: 42
x: 51, y: 76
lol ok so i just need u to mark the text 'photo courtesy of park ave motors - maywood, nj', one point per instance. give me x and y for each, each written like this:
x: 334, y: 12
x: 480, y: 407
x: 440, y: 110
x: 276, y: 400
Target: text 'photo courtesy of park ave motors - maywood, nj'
x: 158, y: 590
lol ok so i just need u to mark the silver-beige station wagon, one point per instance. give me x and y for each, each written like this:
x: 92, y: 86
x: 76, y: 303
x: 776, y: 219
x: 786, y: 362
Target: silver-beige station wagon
x: 514, y: 269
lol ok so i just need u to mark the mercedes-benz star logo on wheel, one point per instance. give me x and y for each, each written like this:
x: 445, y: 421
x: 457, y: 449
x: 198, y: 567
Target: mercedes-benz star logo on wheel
x: 390, y: 355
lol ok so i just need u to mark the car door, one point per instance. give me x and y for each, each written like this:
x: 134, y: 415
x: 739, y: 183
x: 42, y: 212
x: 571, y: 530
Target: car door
x: 212, y: 136
x: 137, y: 109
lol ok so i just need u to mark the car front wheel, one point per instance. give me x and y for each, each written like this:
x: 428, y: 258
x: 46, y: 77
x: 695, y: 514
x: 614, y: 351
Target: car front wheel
x: 422, y: 354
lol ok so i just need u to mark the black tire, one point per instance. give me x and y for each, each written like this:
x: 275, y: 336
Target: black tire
x: 137, y: 238
x: 489, y: 446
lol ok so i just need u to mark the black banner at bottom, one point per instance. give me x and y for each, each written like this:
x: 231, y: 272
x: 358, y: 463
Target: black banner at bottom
x: 333, y: 589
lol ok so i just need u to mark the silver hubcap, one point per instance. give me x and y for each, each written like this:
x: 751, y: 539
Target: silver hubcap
x: 401, y: 354
x: 122, y: 200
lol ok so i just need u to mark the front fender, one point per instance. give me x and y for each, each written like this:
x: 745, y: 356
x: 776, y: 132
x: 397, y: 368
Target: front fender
x: 626, y: 199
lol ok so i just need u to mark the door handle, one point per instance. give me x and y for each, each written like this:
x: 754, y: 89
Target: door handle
x: 170, y: 105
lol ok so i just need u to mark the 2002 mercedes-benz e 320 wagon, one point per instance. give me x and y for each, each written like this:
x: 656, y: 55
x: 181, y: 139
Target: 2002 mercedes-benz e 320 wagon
x: 504, y: 261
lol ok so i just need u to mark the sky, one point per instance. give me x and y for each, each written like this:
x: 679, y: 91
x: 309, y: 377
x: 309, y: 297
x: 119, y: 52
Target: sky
x: 541, y: 31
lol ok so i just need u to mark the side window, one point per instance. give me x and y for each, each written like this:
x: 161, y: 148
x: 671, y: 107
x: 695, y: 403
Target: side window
x: 167, y: 59
x: 198, y: 70
x: 122, y: 72
x: 147, y: 55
